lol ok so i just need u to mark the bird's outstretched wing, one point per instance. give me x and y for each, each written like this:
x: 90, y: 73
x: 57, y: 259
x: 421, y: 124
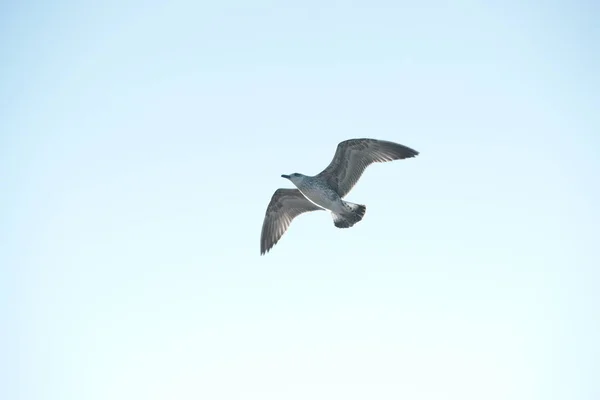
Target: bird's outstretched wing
x: 353, y: 156
x: 285, y: 205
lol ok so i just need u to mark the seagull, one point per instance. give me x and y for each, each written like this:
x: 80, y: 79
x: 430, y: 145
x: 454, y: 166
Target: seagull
x: 326, y: 190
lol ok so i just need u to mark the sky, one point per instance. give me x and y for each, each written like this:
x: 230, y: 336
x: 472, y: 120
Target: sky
x: 140, y: 143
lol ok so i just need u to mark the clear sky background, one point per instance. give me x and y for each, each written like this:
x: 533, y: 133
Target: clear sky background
x: 141, y: 141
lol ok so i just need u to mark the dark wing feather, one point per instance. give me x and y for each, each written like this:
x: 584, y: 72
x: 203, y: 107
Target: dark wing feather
x: 285, y: 205
x: 353, y: 156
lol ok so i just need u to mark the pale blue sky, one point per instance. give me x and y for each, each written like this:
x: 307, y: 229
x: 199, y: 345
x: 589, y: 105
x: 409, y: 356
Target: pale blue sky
x: 141, y: 142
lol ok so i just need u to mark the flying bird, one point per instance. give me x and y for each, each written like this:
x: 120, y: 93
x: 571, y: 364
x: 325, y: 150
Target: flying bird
x: 326, y: 190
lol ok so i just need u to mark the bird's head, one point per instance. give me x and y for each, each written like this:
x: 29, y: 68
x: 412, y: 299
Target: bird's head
x: 295, y: 177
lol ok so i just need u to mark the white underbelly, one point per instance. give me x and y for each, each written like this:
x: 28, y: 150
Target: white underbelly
x: 322, y: 199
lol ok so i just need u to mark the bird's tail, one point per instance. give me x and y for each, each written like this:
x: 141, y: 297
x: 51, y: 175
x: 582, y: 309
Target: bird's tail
x: 350, y: 216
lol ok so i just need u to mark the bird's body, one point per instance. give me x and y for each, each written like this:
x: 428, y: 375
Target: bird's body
x: 326, y: 190
x: 317, y: 191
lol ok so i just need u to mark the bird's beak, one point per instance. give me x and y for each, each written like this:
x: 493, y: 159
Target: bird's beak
x: 285, y: 176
